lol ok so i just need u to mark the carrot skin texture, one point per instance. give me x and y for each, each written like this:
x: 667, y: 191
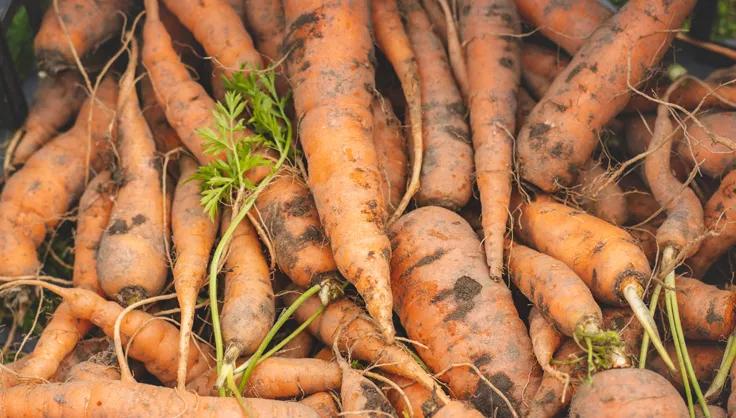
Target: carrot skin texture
x: 539, y: 67
x: 560, y: 134
x: 545, y: 338
x: 266, y: 22
x: 332, y: 97
x: 447, y: 302
x: 494, y: 76
x: 88, y: 24
x: 361, y: 397
x: 131, y: 400
x: 421, y: 400
x: 624, y: 321
x: 608, y: 201
x: 131, y: 259
x: 699, y: 145
x: 391, y: 152
x: 559, y: 294
x: 706, y: 358
x: 707, y: 312
x: 447, y: 162
x: 323, y: 403
x: 606, y: 257
x: 64, y: 331
x: 457, y: 409
x: 37, y: 196
x: 635, y: 393
x: 720, y: 222
x: 56, y: 101
x: 248, y: 309
x: 288, y: 212
x: 547, y: 402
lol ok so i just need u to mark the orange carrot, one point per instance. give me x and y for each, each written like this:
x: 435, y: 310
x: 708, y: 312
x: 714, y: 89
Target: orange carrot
x: 457, y: 409
x: 79, y: 27
x: 37, y: 196
x: 334, y: 94
x: 447, y: 163
x: 421, y: 400
x: 188, y: 221
x: 361, y: 397
x: 458, y: 314
x: 624, y: 321
x: 390, y: 151
x: 706, y: 359
x: 89, y: 371
x: 488, y: 29
x: 323, y: 403
x: 163, y: 134
x: 298, y: 347
x: 554, y: 393
x: 57, y: 100
x: 560, y: 134
x: 437, y: 17
x: 540, y: 66
x: 545, y: 339
x: 710, y: 143
x: 265, y: 19
x: 707, y: 312
x: 131, y: 260
x: 525, y: 104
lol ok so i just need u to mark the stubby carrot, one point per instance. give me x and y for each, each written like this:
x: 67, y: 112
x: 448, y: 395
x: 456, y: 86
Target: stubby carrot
x: 458, y: 314
x: 493, y: 55
x: 79, y: 27
x: 56, y: 101
x: 37, y: 196
x: 332, y: 97
x: 560, y: 134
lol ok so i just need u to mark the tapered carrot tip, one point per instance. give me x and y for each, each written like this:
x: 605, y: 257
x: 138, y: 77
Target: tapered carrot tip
x: 381, y: 312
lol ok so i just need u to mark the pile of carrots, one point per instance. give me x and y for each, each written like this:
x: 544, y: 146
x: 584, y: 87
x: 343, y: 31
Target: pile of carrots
x: 406, y: 208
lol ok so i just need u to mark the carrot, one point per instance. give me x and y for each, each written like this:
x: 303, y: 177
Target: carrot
x: 37, y: 196
x: 540, y: 66
x: 525, y: 104
x: 710, y: 143
x: 447, y: 167
x: 705, y: 358
x: 646, y: 237
x: 73, y: 28
x: 421, y: 400
x: 163, y: 134
x: 604, y: 256
x: 707, y: 312
x: 437, y: 17
x: 119, y: 399
x: 390, y: 151
x: 63, y: 331
x: 634, y: 393
x: 600, y: 197
x: 189, y: 220
x: 86, y: 350
x: 289, y: 215
x: 220, y: 31
x: 560, y: 134
x: 361, y: 397
x: 298, y: 347
x: 457, y: 409
x: 554, y: 394
x: 569, y: 25
x: 335, y: 94
x: 56, y: 102
x: 545, y: 339
x: 325, y: 353
x: 360, y: 337
x: 90, y: 371
x: 720, y: 221
x: 131, y: 259
x: 248, y: 309
x: 493, y: 59
x: 447, y: 302
x: 624, y: 321
x: 265, y: 19
x: 323, y: 403
x: 393, y: 40
x: 715, y: 412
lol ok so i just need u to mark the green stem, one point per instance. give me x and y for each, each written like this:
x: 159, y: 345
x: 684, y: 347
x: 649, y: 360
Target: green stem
x: 678, y: 352
x: 728, y: 357
x: 276, y: 327
x: 641, y: 311
x: 645, y: 338
x: 233, y: 388
x: 591, y: 367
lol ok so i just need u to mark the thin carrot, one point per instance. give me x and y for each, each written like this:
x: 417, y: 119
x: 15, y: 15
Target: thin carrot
x: 545, y: 341
x: 390, y: 151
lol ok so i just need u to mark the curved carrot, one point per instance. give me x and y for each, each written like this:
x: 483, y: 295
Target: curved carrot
x: 390, y: 151
x: 131, y: 260
x: 560, y: 134
x: 163, y: 134
x: 493, y: 58
x: 448, y: 303
x: 193, y: 235
x: 86, y: 25
x: 447, y: 163
x: 37, y: 196
x: 333, y: 93
x: 56, y: 101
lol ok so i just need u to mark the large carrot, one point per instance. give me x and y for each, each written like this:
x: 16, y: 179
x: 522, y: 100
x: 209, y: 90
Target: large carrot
x: 488, y: 28
x: 720, y: 222
x: 131, y: 260
x: 248, y: 309
x: 560, y: 134
x: 569, y: 24
x: 604, y: 256
x: 332, y: 93
x: 457, y: 313
x: 119, y: 399
x: 64, y: 331
x: 447, y: 162
x: 289, y: 216
x: 394, y: 42
x: 345, y: 323
x: 79, y: 27
x: 37, y: 196
x: 194, y: 235
x: 57, y: 100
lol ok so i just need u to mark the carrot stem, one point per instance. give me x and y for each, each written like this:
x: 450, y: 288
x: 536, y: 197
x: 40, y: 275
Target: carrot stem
x: 728, y: 357
x: 678, y: 352
x: 631, y: 294
x: 645, y: 338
